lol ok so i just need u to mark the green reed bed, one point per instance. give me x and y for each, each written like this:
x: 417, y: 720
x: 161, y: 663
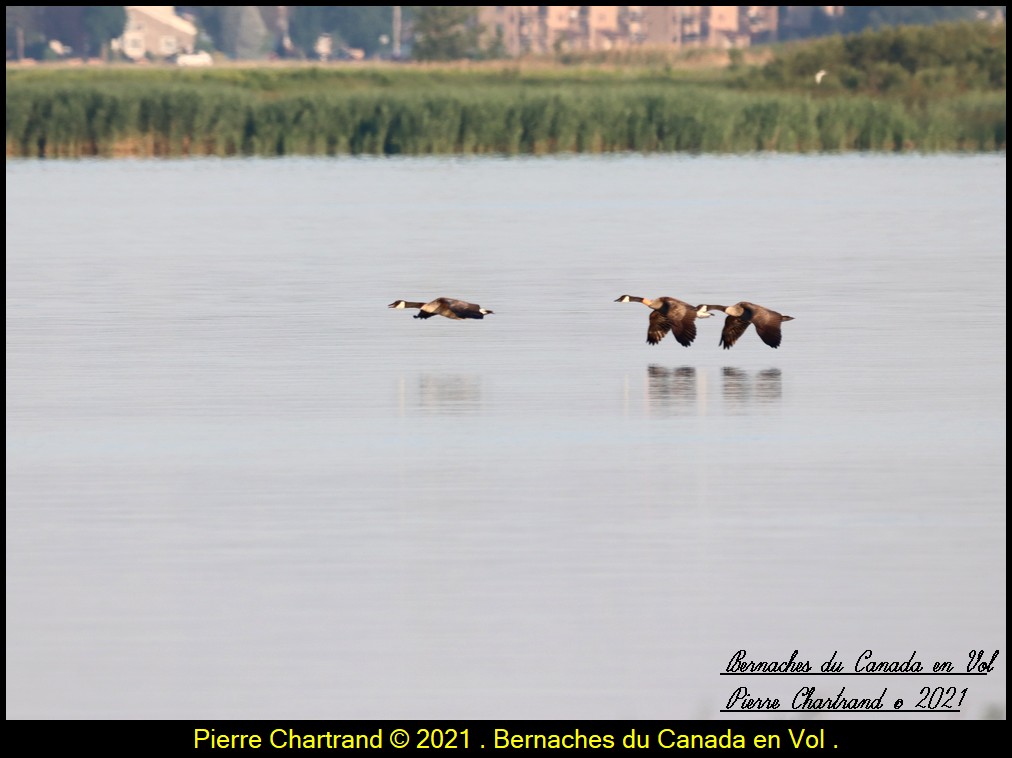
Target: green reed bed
x: 167, y: 117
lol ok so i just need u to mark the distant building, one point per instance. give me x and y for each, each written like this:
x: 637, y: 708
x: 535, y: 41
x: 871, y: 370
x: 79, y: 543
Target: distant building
x: 155, y: 31
x: 525, y: 29
x: 762, y: 22
x: 799, y: 20
x: 503, y: 22
x: 724, y: 27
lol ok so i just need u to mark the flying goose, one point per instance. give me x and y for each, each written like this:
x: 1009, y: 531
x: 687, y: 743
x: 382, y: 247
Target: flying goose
x: 739, y: 316
x: 443, y: 306
x: 670, y: 314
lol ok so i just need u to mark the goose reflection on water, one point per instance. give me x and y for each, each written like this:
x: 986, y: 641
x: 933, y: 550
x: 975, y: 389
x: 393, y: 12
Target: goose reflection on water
x: 445, y: 394
x: 683, y: 389
x: 672, y: 389
x: 742, y: 389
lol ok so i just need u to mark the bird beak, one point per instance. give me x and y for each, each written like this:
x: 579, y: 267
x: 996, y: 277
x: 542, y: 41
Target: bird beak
x: 393, y: 304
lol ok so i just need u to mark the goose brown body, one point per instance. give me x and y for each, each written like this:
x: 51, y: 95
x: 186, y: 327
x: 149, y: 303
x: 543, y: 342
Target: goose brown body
x: 767, y: 323
x: 443, y: 306
x: 669, y: 315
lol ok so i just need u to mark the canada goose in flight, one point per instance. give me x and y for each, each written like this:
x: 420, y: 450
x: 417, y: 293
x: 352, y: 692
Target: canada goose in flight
x: 670, y: 314
x: 443, y: 306
x: 739, y: 316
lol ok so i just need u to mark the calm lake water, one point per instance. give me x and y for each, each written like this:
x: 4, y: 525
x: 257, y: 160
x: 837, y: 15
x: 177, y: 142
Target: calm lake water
x: 238, y: 486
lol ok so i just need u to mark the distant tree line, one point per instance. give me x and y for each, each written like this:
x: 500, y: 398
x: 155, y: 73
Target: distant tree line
x: 946, y: 58
x: 363, y: 27
x: 86, y: 29
x: 857, y: 18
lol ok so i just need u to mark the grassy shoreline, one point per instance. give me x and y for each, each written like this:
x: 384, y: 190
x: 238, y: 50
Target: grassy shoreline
x: 510, y: 108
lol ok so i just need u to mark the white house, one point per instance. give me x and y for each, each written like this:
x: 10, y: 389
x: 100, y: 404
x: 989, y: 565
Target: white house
x: 157, y: 31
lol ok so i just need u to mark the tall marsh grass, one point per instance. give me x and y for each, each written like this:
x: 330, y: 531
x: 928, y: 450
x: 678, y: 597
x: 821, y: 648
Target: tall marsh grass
x: 251, y: 112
